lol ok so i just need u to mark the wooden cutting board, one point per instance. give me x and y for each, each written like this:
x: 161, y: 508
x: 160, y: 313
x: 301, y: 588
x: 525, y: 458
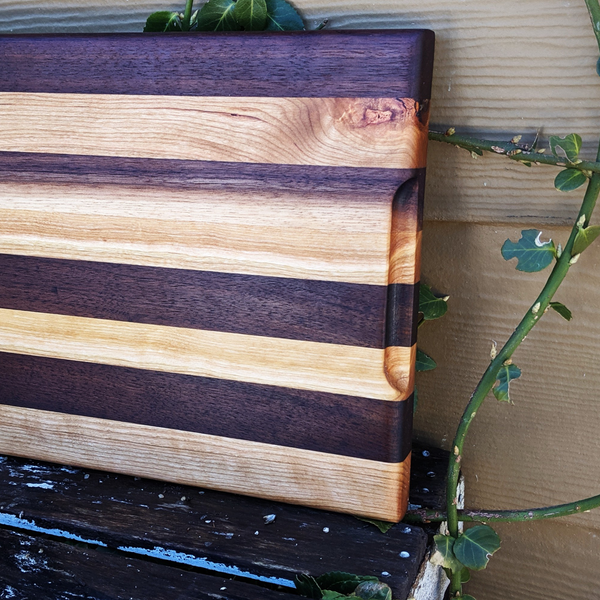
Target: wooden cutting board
x: 209, y: 258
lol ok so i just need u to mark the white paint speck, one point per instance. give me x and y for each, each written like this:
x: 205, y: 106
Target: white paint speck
x: 404, y: 554
x: 227, y: 535
x: 269, y: 519
x: 325, y: 529
x: 256, y: 533
x: 407, y: 530
x: 161, y: 496
x: 385, y: 574
x: 44, y: 486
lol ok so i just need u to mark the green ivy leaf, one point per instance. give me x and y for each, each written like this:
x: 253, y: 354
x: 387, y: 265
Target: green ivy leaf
x: 329, y: 595
x: 308, y: 586
x: 163, y: 20
x: 251, y: 14
x: 570, y: 145
x: 217, y: 15
x: 466, y: 597
x: 532, y: 254
x: 475, y: 546
x: 444, y: 553
x: 430, y: 305
x: 569, y: 179
x: 341, y: 582
x: 501, y: 388
x: 282, y: 16
x: 585, y: 236
x: 562, y: 310
x: 373, y: 590
x: 465, y: 575
x: 424, y: 362
x: 383, y: 526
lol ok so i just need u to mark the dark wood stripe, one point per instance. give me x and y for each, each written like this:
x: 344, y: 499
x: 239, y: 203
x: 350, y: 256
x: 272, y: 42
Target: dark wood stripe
x: 331, y: 423
x: 317, y: 311
x: 191, y: 174
x: 348, y: 64
x: 408, y: 200
x: 401, y: 315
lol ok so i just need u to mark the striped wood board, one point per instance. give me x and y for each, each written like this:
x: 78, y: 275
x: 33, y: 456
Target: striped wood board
x: 209, y: 258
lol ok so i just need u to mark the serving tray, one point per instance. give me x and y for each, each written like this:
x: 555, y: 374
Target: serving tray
x: 209, y: 258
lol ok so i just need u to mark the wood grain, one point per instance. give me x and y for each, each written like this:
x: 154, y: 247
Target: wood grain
x: 272, y: 250
x: 343, y: 484
x: 317, y: 311
x: 271, y: 361
x: 361, y: 132
x: 258, y: 413
x: 85, y: 300
x: 392, y: 64
x: 482, y: 83
x: 178, y: 178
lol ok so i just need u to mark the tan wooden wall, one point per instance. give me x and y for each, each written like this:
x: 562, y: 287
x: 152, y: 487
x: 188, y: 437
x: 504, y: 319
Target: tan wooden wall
x: 505, y: 67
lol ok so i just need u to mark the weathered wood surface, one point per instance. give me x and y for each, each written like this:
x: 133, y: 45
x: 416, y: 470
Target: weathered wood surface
x: 158, y: 318
x: 184, y: 527
x: 35, y: 567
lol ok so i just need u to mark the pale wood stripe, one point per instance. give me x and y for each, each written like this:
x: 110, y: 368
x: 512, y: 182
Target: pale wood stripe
x: 303, y: 209
x: 204, y: 230
x: 361, y: 132
x: 246, y: 249
x: 327, y: 481
x: 334, y: 368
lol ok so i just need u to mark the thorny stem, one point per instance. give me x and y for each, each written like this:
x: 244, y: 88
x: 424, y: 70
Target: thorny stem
x: 559, y: 272
x: 427, y: 515
x: 516, y: 152
x: 488, y: 380
x: 187, y: 15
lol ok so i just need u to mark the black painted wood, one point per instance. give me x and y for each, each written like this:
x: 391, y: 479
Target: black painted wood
x: 346, y: 183
x: 380, y: 64
x: 35, y: 568
x: 227, y: 530
x: 378, y: 429
x: 299, y: 309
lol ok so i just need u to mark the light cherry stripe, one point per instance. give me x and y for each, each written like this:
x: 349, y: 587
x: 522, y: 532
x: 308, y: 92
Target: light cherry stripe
x: 334, y: 368
x: 251, y: 249
x: 352, y: 132
x: 327, y: 481
x: 345, y: 211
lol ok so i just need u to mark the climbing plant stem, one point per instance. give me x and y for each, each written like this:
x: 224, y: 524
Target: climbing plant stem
x: 426, y: 515
x: 187, y: 15
x: 488, y: 380
x: 515, y: 151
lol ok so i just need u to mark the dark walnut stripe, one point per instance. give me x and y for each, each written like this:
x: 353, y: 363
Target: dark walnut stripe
x: 316, y: 311
x: 348, y: 64
x: 401, y: 316
x: 28, y: 167
x: 336, y: 424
